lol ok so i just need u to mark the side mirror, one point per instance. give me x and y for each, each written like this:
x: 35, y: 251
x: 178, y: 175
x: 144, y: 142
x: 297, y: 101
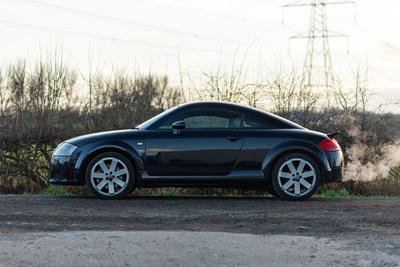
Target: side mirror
x: 178, y: 126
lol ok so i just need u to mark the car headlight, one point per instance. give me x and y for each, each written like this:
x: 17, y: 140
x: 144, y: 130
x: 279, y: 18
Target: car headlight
x: 65, y: 149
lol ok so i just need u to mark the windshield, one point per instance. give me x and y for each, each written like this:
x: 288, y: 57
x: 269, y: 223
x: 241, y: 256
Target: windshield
x: 149, y: 122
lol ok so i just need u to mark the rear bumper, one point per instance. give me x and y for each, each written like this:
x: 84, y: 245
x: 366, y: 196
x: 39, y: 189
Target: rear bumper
x: 336, y: 162
x: 335, y: 175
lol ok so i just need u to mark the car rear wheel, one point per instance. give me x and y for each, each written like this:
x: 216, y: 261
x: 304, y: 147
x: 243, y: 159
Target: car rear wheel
x: 296, y: 176
x: 110, y: 175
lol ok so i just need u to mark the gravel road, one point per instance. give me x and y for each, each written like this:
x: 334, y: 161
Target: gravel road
x: 149, y: 231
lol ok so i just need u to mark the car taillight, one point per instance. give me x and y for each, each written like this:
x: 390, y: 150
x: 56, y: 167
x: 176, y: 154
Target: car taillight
x: 329, y: 145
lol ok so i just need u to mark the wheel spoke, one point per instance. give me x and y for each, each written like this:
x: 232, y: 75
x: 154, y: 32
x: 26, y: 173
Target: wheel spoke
x: 300, y: 168
x: 119, y: 182
x: 285, y: 175
x: 120, y: 172
x: 113, y: 165
x: 297, y: 188
x: 103, y: 166
x: 101, y: 185
x: 291, y: 167
x: 98, y: 175
x: 288, y: 184
x: 111, y: 189
x: 305, y: 184
x: 308, y: 174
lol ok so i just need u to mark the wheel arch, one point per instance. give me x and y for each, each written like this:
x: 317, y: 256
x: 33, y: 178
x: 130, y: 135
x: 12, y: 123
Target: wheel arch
x: 306, y: 148
x: 117, y: 147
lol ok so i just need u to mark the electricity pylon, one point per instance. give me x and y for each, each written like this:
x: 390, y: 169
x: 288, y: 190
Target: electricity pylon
x: 317, y: 67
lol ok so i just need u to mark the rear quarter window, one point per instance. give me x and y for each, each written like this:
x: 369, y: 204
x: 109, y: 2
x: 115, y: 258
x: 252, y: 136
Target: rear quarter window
x: 253, y: 122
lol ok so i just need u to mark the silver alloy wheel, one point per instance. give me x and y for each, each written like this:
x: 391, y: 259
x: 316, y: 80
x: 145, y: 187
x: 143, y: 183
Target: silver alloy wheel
x: 297, y: 177
x: 109, y: 176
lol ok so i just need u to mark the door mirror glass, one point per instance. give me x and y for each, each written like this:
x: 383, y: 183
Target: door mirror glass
x: 178, y: 126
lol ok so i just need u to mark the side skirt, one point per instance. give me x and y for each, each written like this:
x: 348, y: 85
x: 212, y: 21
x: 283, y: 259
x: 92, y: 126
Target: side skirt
x: 237, y: 179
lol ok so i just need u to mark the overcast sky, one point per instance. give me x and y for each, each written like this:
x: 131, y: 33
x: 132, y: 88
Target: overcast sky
x: 150, y: 35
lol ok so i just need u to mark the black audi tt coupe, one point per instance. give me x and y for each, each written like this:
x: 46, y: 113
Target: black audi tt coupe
x: 202, y: 144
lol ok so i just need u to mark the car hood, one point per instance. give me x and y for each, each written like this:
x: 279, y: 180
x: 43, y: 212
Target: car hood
x: 126, y: 134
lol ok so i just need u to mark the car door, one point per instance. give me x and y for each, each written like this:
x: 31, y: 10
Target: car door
x: 209, y: 145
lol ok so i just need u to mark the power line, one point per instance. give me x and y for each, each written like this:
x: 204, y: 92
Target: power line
x: 302, y: 3
x: 49, y: 29
x: 385, y: 43
x: 219, y: 15
x: 368, y: 32
x: 113, y: 20
x: 122, y: 21
x: 114, y: 39
x: 375, y: 70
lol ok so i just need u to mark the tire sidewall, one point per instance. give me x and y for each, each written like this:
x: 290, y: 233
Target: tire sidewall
x: 270, y: 189
x: 128, y: 189
x: 275, y: 178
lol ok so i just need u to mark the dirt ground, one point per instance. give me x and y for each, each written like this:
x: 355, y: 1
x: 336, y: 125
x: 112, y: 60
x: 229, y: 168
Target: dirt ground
x: 368, y: 228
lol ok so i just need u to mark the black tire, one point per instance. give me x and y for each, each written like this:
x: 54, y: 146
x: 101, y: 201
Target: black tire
x: 270, y: 189
x: 296, y: 176
x: 110, y: 176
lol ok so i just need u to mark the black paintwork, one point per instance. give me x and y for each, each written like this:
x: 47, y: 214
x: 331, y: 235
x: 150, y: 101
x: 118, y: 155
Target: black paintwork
x: 236, y: 157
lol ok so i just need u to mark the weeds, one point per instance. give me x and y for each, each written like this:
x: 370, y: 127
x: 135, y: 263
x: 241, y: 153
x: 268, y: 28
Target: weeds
x: 334, y: 192
x: 197, y: 192
x: 55, y: 190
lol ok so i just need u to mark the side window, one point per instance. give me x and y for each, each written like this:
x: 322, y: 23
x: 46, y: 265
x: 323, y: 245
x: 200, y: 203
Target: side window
x: 167, y: 124
x: 251, y: 122
x: 197, y: 119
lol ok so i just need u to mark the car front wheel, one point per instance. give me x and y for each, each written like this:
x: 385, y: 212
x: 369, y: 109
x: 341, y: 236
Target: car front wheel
x: 296, y: 176
x: 110, y: 175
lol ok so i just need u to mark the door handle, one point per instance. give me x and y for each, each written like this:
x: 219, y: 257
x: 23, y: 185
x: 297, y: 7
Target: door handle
x: 234, y: 138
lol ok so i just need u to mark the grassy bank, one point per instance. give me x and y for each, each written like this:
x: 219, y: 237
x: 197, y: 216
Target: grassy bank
x: 332, y: 191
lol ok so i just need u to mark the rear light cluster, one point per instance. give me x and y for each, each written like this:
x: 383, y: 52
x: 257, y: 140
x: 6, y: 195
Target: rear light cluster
x: 329, y: 145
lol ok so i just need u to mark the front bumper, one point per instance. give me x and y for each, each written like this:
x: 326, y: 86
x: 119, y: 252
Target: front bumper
x: 63, y: 172
x: 65, y: 177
